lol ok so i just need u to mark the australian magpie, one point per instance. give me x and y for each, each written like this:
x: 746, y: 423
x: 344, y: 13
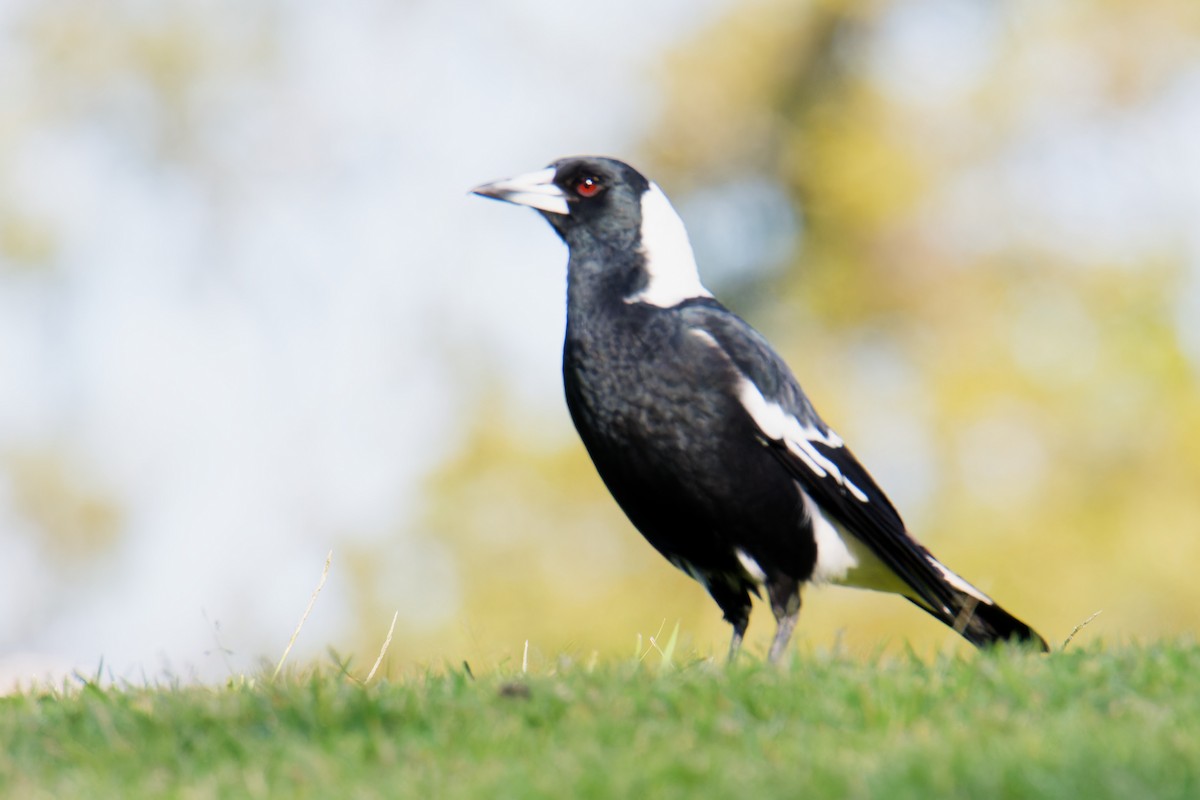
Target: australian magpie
x: 701, y: 432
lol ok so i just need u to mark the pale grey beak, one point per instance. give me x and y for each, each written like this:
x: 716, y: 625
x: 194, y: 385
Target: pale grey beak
x: 534, y: 189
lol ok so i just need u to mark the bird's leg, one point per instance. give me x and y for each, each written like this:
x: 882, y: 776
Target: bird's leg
x: 735, y: 644
x: 783, y: 635
x: 734, y: 601
x: 785, y: 604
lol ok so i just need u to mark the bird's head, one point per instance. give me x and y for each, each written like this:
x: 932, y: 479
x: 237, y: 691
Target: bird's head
x: 584, y: 197
x: 609, y: 210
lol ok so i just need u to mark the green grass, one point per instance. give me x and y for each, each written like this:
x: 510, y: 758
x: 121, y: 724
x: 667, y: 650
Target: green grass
x: 1093, y: 722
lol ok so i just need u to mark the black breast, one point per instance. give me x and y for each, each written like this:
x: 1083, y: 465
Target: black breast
x: 657, y: 409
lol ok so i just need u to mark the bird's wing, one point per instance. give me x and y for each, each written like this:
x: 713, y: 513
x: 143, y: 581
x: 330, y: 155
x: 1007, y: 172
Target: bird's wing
x: 818, y: 459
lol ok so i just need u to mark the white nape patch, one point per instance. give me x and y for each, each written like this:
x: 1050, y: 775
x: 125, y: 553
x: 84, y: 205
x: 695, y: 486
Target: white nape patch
x: 533, y: 189
x: 960, y: 584
x: 751, y: 566
x: 671, y: 271
x: 780, y: 426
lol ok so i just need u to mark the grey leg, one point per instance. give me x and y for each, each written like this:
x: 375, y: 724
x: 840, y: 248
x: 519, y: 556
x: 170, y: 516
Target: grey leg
x: 783, y: 635
x: 785, y: 604
x: 735, y: 644
x: 734, y: 601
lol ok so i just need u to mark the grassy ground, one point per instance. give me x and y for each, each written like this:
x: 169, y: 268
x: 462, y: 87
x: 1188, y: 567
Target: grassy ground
x: 1094, y: 722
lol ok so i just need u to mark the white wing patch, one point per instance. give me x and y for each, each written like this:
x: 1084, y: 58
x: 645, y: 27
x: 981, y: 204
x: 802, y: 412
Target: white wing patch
x: 960, y: 584
x: 834, y: 558
x: 706, y: 337
x: 752, y: 567
x: 671, y: 271
x: 841, y: 557
x: 780, y: 426
x: 844, y: 560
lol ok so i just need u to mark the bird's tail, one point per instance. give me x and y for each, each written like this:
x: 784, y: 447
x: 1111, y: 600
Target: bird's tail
x: 981, y: 622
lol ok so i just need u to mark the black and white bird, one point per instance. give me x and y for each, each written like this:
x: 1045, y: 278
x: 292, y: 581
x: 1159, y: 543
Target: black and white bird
x: 701, y: 432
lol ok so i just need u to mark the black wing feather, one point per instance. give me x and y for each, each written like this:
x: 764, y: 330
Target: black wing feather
x: 876, y: 523
x: 873, y: 521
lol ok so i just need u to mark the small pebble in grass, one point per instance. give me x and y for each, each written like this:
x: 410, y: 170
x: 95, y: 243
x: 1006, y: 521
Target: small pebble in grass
x: 514, y: 689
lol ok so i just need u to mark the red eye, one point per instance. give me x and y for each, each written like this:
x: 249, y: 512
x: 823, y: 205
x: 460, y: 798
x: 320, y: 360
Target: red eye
x: 588, y: 187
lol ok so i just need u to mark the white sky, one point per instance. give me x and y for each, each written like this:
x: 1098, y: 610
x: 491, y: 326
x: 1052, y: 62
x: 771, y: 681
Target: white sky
x: 255, y: 348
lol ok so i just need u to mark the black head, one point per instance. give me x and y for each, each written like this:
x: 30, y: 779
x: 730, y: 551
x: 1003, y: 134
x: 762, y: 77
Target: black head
x: 618, y: 225
x: 583, y: 197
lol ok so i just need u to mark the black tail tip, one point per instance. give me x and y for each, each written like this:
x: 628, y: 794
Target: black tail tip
x: 1027, y: 638
x: 991, y: 625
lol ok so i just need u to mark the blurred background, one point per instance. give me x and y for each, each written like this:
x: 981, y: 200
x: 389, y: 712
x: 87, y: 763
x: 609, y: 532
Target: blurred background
x: 249, y: 314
